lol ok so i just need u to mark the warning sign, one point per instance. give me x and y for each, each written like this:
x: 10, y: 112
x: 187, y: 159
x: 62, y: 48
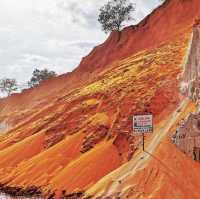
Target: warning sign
x: 143, y: 123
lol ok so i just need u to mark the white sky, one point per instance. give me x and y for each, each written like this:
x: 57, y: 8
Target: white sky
x: 52, y: 34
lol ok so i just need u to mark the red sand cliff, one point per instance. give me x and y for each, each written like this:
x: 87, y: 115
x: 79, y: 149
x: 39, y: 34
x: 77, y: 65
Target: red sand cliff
x: 73, y: 130
x: 163, y: 24
x: 167, y: 21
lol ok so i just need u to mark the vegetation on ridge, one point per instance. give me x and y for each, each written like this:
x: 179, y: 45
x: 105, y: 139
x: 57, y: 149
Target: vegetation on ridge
x: 113, y: 14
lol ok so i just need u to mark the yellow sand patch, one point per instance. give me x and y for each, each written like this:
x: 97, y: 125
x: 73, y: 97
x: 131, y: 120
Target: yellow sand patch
x: 99, y: 119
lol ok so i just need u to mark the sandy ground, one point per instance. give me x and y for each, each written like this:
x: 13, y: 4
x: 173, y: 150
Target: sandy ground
x: 141, y: 159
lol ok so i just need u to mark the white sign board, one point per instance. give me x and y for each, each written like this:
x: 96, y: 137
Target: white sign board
x: 143, y: 123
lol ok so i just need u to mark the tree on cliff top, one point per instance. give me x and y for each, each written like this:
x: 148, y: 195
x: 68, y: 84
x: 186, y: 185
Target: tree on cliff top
x: 113, y: 14
x: 8, y: 86
x: 40, y: 75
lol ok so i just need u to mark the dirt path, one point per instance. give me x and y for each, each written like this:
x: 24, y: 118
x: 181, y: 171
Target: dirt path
x: 110, y: 182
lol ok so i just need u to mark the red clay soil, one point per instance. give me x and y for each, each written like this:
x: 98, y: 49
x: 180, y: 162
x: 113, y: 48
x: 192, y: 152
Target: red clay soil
x: 170, y: 174
x: 162, y: 172
x: 13, y: 155
x: 39, y: 169
x: 88, y: 169
x: 63, y: 133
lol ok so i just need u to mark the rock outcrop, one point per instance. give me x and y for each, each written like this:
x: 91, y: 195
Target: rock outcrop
x: 28, y: 192
x: 190, y: 82
x: 187, y: 137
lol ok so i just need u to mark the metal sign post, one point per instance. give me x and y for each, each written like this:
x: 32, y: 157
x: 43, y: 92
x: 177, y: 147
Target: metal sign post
x: 143, y: 124
x: 143, y: 141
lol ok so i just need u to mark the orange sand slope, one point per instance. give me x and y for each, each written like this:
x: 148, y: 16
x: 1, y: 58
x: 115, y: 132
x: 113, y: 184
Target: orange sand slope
x: 162, y: 171
x: 73, y: 132
x: 87, y: 169
x: 84, y: 119
x: 38, y: 169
